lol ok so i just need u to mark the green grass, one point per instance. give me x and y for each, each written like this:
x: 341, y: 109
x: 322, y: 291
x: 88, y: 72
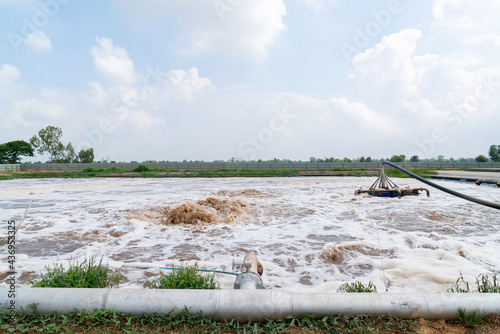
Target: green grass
x: 248, y: 173
x: 184, y: 278
x: 485, y: 283
x: 471, y: 319
x: 357, y: 287
x: 419, y: 172
x: 88, y: 274
x: 109, y: 321
x: 144, y: 171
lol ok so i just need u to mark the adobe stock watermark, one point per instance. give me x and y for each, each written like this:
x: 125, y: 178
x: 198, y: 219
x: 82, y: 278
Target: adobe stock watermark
x: 224, y: 6
x: 372, y: 29
x: 484, y: 89
x: 48, y: 9
x: 121, y: 108
x: 249, y: 148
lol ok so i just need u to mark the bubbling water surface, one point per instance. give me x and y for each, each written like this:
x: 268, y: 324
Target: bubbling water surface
x: 308, y: 232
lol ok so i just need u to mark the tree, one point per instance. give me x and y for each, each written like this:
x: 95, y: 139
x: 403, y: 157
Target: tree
x: 362, y: 159
x: 70, y: 153
x: 398, y: 158
x: 414, y: 158
x: 86, y: 156
x: 66, y: 154
x: 11, y: 152
x: 494, y: 153
x: 48, y: 141
x: 440, y: 158
x: 481, y: 158
x: 369, y: 159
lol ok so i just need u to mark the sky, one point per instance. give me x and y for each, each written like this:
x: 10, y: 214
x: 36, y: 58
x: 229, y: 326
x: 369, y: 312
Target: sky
x: 253, y: 79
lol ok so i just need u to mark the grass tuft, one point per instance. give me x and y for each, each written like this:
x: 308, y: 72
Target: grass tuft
x: 485, y: 283
x: 357, y: 287
x: 184, y: 278
x: 88, y: 274
x: 471, y: 319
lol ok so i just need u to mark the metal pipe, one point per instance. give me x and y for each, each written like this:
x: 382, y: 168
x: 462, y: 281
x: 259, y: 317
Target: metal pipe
x: 489, y: 181
x: 446, y: 190
x: 248, y: 305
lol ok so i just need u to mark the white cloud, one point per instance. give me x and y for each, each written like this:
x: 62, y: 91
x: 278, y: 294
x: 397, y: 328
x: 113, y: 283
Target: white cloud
x: 8, y: 73
x: 475, y: 22
x: 182, y: 86
x: 25, y: 5
x: 393, y: 78
x: 148, y: 106
x: 449, y: 92
x: 317, y: 5
x: 9, y: 88
x: 50, y: 106
x: 39, y: 42
x: 113, y: 62
x: 247, y: 28
x: 375, y: 123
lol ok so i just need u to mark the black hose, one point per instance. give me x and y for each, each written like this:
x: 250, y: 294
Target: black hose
x: 446, y: 190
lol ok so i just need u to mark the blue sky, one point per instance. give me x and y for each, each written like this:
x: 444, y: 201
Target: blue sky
x: 215, y: 79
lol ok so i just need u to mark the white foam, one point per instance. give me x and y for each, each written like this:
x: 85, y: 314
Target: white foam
x: 423, y: 243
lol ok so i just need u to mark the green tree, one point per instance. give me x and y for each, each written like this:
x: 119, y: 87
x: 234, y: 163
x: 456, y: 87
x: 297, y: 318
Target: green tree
x: 65, y: 155
x: 414, y: 158
x: 48, y: 141
x: 362, y: 159
x: 481, y: 158
x: 398, y: 158
x: 440, y: 158
x: 86, y: 156
x: 369, y: 159
x: 11, y: 152
x: 494, y: 153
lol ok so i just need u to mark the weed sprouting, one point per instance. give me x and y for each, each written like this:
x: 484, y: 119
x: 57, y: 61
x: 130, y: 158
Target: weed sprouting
x: 357, y: 287
x: 460, y: 286
x: 88, y: 274
x: 184, y: 277
x: 485, y: 283
x: 471, y: 319
x: 110, y: 321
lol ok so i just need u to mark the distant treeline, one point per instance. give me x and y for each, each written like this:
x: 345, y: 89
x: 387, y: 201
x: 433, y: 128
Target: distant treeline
x: 395, y: 158
x: 47, y: 141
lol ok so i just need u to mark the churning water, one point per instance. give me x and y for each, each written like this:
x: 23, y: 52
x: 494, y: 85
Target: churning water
x: 309, y: 233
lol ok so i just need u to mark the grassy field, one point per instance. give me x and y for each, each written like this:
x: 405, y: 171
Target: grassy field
x: 112, y: 322
x: 146, y: 172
